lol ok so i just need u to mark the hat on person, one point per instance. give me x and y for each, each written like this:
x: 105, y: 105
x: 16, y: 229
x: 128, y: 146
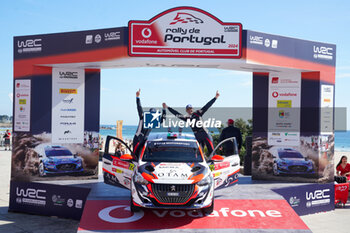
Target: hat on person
x: 230, y: 121
x: 188, y: 106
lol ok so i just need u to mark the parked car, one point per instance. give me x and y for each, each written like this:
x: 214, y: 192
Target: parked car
x: 171, y: 171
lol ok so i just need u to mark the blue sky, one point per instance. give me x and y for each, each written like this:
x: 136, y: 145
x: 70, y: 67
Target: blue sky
x: 324, y: 21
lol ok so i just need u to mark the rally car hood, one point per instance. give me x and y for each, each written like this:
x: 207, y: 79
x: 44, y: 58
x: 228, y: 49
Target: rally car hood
x: 180, y: 173
x: 295, y: 161
x: 67, y: 158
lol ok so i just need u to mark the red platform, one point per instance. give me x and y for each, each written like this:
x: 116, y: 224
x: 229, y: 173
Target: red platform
x: 115, y: 215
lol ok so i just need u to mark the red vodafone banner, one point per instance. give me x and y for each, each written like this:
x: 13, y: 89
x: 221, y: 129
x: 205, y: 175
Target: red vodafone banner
x: 103, y: 215
x: 185, y: 32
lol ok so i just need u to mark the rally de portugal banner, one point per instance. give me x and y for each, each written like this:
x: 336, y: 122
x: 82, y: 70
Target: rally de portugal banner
x: 185, y: 32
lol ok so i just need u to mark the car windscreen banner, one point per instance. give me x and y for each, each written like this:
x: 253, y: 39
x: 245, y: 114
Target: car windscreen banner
x: 185, y: 32
x: 48, y: 199
x: 309, y: 199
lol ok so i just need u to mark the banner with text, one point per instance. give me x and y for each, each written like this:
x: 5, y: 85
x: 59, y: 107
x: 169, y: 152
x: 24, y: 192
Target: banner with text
x: 284, y: 109
x: 185, y: 32
x: 68, y: 95
x: 22, y: 105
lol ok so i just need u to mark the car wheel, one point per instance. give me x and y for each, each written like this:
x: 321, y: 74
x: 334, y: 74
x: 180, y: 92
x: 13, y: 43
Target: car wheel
x: 134, y: 208
x: 42, y: 170
x: 275, y: 171
x: 210, y: 209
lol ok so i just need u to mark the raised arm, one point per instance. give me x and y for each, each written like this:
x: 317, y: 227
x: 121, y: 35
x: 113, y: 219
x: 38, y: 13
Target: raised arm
x: 174, y: 112
x: 138, y: 104
x: 163, y: 116
x: 209, y: 104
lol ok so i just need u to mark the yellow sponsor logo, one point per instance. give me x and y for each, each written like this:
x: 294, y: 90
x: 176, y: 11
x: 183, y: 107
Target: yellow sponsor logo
x: 68, y: 91
x: 284, y: 103
x: 217, y: 174
x: 118, y: 171
x: 327, y: 100
x: 22, y: 101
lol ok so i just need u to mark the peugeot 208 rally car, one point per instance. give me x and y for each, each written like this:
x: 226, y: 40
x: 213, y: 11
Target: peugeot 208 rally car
x: 170, y: 172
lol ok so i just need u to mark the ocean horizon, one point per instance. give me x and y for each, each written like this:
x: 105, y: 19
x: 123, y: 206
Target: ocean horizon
x: 342, y: 139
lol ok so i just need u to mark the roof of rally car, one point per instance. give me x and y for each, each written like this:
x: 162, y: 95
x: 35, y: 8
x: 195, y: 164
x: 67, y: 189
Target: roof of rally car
x: 171, y: 137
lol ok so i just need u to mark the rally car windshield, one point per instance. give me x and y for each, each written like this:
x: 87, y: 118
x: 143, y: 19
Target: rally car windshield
x: 172, y: 154
x: 55, y: 153
x: 290, y: 155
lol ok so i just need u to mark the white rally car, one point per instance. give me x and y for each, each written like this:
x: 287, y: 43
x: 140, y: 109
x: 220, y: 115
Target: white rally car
x: 170, y: 172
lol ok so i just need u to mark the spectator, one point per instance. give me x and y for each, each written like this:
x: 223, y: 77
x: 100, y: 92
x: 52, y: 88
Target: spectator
x: 118, y: 150
x: 228, y: 132
x: 343, y: 167
x: 7, y: 136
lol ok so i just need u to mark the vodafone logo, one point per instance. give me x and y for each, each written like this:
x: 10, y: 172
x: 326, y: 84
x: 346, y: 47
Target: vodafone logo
x: 275, y: 94
x: 146, y: 33
x: 18, y: 85
x: 115, y: 215
x: 105, y: 214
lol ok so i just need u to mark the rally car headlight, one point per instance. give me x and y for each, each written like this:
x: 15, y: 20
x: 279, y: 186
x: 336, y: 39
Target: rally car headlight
x: 50, y: 162
x: 205, y: 181
x: 138, y: 178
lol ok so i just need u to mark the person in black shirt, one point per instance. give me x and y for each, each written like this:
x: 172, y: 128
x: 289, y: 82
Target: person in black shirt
x: 228, y: 132
x: 7, y: 137
x: 142, y: 132
x: 201, y: 133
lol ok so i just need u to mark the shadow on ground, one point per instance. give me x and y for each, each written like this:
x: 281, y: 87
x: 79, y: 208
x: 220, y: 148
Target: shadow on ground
x: 29, y: 223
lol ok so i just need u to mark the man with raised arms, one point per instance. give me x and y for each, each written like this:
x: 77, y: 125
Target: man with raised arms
x: 200, y: 132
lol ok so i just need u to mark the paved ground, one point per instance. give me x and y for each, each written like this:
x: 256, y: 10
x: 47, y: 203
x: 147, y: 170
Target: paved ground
x: 335, y: 221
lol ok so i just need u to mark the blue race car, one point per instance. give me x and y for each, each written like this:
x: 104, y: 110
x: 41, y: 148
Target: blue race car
x: 58, y: 160
x: 290, y: 161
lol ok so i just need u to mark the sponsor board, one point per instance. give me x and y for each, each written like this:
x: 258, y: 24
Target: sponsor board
x: 309, y: 199
x: 47, y: 199
x: 22, y: 98
x: 115, y: 215
x: 185, y: 32
x: 68, y: 97
x: 326, y: 114
x: 284, y: 109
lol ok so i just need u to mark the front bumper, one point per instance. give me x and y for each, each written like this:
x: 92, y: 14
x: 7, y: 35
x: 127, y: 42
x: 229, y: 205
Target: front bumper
x: 146, y: 196
x: 63, y: 168
x: 295, y: 169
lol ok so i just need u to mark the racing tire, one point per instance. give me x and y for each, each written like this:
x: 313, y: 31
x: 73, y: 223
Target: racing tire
x: 133, y: 207
x: 210, y: 209
x: 42, y: 170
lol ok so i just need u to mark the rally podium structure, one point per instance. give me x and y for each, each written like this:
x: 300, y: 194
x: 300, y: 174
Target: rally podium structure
x: 57, y: 99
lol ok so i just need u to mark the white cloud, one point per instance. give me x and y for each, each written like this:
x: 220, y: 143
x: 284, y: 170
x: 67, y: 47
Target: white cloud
x: 226, y: 73
x: 11, y: 96
x: 343, y: 75
x: 105, y: 89
x: 247, y: 83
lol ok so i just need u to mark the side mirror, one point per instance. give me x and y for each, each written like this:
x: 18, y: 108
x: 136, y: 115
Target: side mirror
x: 217, y: 158
x: 126, y: 157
